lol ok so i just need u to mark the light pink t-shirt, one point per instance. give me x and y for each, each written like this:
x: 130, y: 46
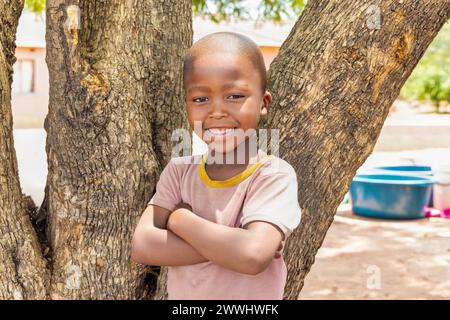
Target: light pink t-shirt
x: 269, y: 194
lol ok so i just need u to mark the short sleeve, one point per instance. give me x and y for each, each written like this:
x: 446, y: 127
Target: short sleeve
x: 168, y: 191
x: 273, y: 198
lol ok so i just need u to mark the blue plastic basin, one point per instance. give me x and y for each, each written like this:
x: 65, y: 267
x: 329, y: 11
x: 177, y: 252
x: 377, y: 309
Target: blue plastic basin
x: 409, y: 170
x: 426, y: 170
x: 390, y: 196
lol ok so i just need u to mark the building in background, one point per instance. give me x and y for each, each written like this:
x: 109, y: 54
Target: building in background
x: 30, y: 81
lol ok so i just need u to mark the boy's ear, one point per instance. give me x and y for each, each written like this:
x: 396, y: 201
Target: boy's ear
x: 267, y: 99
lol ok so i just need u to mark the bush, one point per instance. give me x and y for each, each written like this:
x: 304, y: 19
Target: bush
x: 431, y: 77
x: 435, y: 89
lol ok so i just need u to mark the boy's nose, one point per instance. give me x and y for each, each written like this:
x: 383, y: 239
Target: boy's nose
x: 217, y: 110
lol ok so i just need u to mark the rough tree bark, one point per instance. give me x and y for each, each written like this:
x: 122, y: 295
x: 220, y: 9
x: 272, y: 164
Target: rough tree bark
x: 115, y: 97
x: 23, y: 272
x: 333, y: 81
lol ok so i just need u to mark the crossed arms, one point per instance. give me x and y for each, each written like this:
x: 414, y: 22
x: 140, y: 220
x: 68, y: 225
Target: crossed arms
x: 177, y: 238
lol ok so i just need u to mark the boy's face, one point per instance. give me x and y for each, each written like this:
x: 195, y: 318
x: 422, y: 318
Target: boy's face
x: 224, y: 94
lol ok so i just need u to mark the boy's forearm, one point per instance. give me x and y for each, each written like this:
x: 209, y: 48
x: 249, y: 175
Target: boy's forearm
x: 226, y: 246
x: 164, y: 248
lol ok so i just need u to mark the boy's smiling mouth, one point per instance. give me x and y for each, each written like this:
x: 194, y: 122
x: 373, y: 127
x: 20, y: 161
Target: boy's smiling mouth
x: 219, y: 132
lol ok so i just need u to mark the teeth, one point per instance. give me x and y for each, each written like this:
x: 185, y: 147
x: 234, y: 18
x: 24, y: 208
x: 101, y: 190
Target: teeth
x: 220, y: 131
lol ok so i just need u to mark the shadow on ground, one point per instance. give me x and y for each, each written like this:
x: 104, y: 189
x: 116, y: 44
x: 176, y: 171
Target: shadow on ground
x: 412, y: 259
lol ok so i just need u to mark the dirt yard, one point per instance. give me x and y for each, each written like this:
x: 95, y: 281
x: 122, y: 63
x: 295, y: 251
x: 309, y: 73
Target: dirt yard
x: 364, y: 258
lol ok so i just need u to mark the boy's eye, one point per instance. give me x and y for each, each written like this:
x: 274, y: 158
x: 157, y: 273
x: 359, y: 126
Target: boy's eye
x: 236, y: 96
x: 200, y: 99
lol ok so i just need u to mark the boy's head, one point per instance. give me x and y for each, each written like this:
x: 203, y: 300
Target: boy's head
x: 225, y: 84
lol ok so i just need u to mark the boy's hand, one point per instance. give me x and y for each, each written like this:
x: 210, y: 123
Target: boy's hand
x: 178, y: 206
x: 183, y: 205
x: 279, y: 250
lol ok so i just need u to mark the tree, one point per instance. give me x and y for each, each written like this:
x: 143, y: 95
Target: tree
x: 22, y: 268
x: 116, y: 95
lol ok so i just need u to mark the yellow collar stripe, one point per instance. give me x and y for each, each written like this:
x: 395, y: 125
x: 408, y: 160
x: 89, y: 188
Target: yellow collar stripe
x: 231, y: 181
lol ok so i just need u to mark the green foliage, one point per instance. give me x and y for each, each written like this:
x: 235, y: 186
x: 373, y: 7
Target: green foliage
x: 431, y: 78
x: 36, y: 6
x: 276, y: 11
x: 219, y: 10
x: 434, y: 89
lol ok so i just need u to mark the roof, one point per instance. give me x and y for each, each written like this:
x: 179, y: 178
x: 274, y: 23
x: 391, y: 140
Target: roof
x: 266, y: 34
x: 31, y: 30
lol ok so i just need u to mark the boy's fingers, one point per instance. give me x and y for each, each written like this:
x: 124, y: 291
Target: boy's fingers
x: 278, y: 252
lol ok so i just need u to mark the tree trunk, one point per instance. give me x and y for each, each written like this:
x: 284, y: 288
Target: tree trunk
x: 22, y: 267
x: 333, y: 82
x: 116, y: 95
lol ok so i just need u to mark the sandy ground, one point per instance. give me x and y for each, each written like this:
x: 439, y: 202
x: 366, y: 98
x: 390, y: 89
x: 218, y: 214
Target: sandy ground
x: 364, y: 258
x: 32, y: 161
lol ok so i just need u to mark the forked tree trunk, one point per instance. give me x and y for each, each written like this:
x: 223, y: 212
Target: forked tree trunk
x: 23, y: 272
x: 115, y: 97
x: 334, y: 80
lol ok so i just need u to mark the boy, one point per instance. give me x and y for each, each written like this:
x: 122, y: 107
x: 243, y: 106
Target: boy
x: 220, y: 226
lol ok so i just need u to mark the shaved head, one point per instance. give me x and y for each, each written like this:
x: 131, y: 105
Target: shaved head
x: 227, y: 42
